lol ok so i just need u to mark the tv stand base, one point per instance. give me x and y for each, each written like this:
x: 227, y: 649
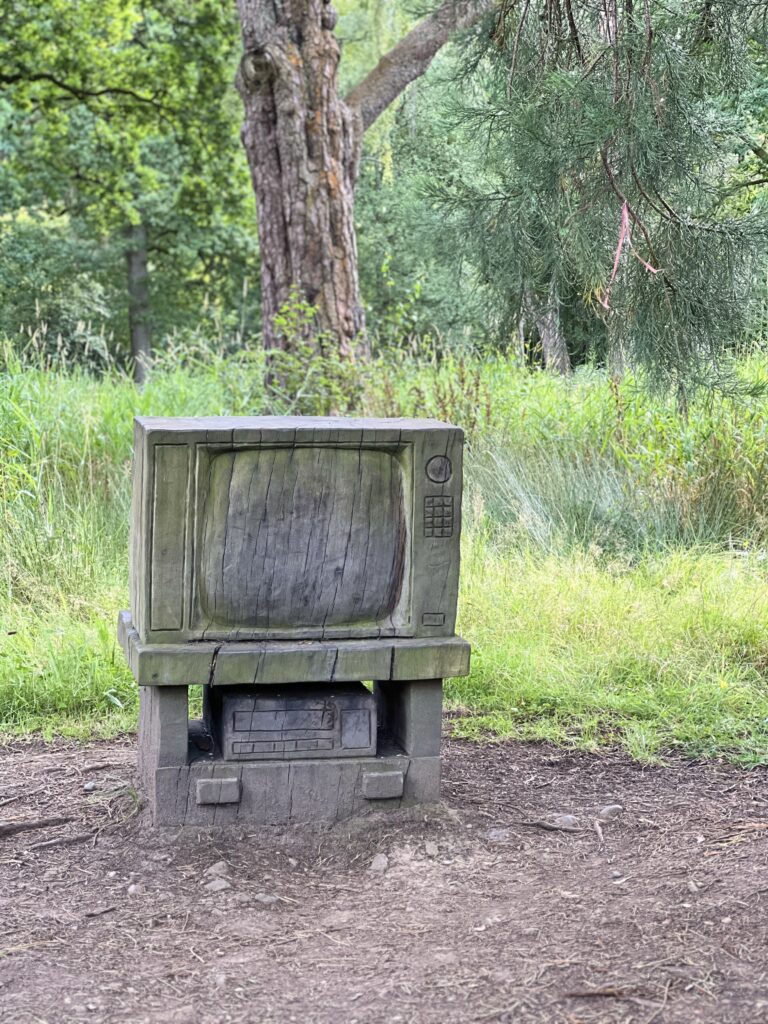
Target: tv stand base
x: 189, y: 782
x: 289, y: 792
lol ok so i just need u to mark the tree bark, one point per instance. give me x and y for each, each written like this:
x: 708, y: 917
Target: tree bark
x: 303, y: 141
x: 546, y: 316
x: 303, y: 148
x: 138, y: 299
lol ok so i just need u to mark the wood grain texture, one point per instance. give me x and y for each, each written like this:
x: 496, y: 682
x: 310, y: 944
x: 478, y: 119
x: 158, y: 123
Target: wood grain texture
x: 294, y: 527
x: 281, y: 793
x: 308, y: 426
x: 303, y: 146
x: 411, y: 714
x: 301, y: 537
x: 293, y: 722
x: 171, y: 469
x: 246, y: 664
x: 163, y: 729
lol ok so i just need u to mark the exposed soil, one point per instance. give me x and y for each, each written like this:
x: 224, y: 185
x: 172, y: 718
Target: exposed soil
x: 478, y: 917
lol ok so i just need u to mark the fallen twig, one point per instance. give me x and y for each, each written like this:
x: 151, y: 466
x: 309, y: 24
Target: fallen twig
x: 99, y: 912
x: 10, y: 828
x: 81, y: 837
x: 549, y: 826
x: 588, y: 993
x: 19, y: 796
x: 658, y: 1010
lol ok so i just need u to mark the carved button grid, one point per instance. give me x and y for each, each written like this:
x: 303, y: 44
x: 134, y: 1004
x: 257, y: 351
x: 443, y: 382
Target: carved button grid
x: 438, y: 516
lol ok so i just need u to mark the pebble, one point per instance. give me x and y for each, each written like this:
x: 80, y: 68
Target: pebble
x: 135, y: 889
x: 431, y: 849
x: 217, y: 884
x: 616, y: 873
x: 379, y: 864
x: 497, y: 835
x: 89, y: 787
x: 266, y: 899
x: 219, y: 868
x: 610, y: 812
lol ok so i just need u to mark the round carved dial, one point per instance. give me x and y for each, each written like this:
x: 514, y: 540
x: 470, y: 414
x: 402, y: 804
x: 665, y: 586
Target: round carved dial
x: 439, y: 469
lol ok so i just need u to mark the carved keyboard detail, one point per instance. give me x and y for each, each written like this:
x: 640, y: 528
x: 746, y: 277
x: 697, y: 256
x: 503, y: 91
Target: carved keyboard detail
x: 295, y: 721
x: 438, y: 516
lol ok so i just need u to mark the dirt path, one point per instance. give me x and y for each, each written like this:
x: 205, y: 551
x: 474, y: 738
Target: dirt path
x: 476, y: 918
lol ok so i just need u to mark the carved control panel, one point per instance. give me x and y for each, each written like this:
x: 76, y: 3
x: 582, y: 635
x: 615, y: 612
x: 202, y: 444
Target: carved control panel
x: 438, y: 516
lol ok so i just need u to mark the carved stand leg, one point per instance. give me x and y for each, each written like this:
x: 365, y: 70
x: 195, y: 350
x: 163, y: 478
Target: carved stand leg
x: 410, y: 713
x: 163, y: 729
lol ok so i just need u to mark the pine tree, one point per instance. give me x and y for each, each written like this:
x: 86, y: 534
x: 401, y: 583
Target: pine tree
x: 616, y: 179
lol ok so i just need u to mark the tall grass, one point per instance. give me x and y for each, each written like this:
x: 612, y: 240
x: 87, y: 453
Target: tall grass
x: 613, y: 581
x: 670, y: 654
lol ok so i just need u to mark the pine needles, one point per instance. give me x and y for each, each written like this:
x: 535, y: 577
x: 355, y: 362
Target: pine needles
x: 614, y: 174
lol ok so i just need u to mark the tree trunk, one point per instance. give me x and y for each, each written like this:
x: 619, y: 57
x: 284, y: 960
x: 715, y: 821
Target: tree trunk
x: 546, y: 316
x: 303, y: 146
x: 138, y: 299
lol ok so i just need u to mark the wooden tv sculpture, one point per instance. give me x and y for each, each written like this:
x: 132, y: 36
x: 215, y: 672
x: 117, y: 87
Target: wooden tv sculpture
x: 281, y: 563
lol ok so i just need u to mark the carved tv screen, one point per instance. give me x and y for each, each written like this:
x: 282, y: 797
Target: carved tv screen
x: 299, y: 527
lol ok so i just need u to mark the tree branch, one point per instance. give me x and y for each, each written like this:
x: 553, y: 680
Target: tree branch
x: 411, y: 57
x: 79, y: 92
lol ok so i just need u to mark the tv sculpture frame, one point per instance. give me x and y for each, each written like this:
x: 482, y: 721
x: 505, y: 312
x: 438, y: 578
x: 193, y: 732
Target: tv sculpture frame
x: 279, y: 563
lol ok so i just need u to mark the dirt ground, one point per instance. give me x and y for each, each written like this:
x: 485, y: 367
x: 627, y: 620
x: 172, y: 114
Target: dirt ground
x: 658, y: 916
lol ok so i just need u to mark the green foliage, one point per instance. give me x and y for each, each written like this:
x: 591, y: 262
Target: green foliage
x: 307, y: 375
x: 115, y: 114
x: 606, y: 173
x: 419, y: 280
x: 53, y: 290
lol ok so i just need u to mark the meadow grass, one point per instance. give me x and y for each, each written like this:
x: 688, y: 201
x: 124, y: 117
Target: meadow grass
x: 668, y: 654
x: 614, y: 587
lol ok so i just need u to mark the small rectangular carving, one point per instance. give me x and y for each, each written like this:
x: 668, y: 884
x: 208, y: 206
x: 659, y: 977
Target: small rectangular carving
x: 280, y: 746
x: 433, y: 619
x: 438, y: 516
x: 356, y: 729
x: 218, y: 791
x: 283, y: 720
x: 382, y: 785
x: 168, y: 539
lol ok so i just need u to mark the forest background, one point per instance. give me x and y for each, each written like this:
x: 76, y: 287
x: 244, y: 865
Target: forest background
x: 615, y: 572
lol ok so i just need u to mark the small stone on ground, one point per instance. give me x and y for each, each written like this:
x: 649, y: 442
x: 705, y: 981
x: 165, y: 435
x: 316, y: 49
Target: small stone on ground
x: 218, y: 884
